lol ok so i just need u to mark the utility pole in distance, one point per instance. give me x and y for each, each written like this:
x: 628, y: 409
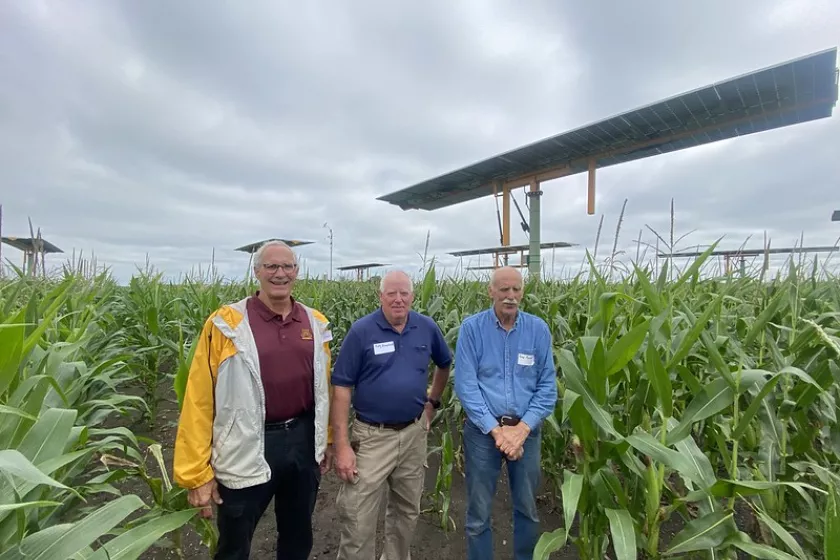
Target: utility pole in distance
x: 326, y: 225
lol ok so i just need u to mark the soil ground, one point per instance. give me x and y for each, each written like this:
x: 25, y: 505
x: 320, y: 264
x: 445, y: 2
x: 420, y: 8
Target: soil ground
x: 431, y: 542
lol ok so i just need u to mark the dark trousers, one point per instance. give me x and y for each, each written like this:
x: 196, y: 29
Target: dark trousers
x: 295, y: 478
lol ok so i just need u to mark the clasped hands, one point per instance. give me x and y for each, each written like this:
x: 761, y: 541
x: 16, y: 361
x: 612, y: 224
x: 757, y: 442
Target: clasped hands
x: 510, y: 439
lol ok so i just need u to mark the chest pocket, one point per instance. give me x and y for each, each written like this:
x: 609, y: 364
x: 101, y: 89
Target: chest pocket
x: 526, y: 361
x: 419, y: 356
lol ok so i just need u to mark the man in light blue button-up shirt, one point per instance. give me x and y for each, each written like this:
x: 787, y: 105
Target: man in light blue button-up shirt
x: 506, y: 382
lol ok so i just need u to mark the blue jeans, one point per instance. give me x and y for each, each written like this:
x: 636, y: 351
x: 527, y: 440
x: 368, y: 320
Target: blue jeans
x: 483, y: 463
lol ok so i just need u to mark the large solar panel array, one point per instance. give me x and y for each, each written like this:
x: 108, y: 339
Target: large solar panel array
x: 793, y: 92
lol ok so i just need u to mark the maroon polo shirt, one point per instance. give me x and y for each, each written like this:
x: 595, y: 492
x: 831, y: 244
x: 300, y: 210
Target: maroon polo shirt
x: 285, y: 347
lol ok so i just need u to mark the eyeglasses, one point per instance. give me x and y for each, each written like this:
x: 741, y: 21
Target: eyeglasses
x: 272, y: 267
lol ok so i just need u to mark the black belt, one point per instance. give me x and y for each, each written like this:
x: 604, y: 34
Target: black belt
x: 389, y: 426
x: 289, y: 423
x: 508, y: 420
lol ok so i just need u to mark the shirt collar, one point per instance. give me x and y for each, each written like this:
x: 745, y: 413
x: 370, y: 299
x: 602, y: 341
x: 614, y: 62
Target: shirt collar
x: 498, y: 323
x: 385, y: 325
x: 266, y: 314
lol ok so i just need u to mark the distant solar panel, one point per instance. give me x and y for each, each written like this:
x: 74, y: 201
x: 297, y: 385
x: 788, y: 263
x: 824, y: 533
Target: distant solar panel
x: 491, y: 267
x: 252, y: 247
x: 835, y: 216
x: 28, y: 244
x: 361, y: 266
x: 510, y: 249
x: 796, y: 91
x: 755, y: 252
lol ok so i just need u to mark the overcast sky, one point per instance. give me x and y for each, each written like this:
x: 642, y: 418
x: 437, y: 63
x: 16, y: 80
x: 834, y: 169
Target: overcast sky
x: 171, y: 129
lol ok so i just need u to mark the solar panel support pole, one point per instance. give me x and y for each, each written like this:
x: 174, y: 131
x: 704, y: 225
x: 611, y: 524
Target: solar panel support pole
x: 534, y: 249
x: 30, y: 268
x: 505, y: 219
x: 590, y: 195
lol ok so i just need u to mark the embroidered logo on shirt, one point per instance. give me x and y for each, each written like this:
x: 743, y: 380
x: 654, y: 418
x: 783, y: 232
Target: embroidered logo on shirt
x: 305, y: 334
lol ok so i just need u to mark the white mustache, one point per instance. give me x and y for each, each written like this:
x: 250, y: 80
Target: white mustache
x: 508, y: 300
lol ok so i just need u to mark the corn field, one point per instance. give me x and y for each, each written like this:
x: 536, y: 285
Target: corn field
x: 710, y: 401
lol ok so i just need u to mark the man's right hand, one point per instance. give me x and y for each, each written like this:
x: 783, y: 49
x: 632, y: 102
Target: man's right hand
x: 345, y: 463
x: 203, y: 496
x: 505, y: 445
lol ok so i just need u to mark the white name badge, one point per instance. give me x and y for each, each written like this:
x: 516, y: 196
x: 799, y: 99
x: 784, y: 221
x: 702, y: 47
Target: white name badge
x: 526, y: 360
x: 383, y: 347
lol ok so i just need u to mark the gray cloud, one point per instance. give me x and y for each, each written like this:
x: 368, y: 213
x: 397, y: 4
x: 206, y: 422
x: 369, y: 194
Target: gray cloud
x: 128, y: 130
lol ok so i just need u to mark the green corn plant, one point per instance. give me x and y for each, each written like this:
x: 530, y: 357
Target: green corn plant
x: 672, y: 415
x: 59, y: 380
x: 704, y: 404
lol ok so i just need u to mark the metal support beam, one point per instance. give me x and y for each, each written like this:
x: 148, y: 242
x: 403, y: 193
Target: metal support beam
x: 505, y: 219
x: 590, y: 198
x: 534, y: 227
x: 30, y: 268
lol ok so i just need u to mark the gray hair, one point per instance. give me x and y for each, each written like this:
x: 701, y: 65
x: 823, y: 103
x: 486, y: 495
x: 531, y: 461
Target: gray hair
x: 394, y: 273
x: 494, y: 275
x: 258, y: 255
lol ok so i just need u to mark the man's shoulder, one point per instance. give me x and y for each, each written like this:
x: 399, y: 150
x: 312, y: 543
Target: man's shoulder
x: 534, y: 319
x: 316, y: 313
x: 477, y: 318
x: 231, y: 313
x: 421, y: 319
x: 362, y: 324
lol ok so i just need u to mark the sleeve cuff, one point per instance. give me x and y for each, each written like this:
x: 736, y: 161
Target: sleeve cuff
x: 532, y: 420
x: 488, y: 422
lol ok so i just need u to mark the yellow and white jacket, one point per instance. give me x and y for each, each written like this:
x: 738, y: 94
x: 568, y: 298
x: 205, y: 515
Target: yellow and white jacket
x: 221, y: 429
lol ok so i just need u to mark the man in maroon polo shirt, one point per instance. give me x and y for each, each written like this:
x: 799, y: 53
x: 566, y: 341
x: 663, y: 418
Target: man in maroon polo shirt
x: 256, y: 457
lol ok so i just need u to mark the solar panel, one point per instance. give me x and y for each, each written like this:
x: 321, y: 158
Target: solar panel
x: 252, y: 247
x: 27, y: 244
x: 755, y: 252
x: 361, y: 266
x: 509, y: 249
x: 797, y: 91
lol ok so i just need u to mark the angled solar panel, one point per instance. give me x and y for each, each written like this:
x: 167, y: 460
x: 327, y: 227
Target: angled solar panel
x: 796, y: 91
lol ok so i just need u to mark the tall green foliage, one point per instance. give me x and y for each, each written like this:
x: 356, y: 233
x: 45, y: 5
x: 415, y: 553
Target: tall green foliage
x: 709, y: 401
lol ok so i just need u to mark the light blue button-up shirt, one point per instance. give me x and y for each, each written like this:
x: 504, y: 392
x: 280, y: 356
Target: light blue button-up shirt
x: 499, y: 372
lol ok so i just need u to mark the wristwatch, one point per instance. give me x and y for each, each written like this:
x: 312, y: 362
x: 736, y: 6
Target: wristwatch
x: 435, y: 403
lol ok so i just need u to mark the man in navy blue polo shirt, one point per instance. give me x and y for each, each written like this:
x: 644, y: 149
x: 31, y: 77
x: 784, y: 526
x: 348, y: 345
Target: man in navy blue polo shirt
x: 384, y: 364
x: 506, y: 382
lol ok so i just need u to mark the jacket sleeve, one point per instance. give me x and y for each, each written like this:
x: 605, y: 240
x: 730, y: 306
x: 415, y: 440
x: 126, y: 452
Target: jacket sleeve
x: 329, y: 383
x: 195, y: 424
x: 328, y: 336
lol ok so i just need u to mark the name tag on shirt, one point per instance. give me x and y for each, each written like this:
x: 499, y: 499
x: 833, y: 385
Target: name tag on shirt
x: 525, y: 360
x: 383, y: 347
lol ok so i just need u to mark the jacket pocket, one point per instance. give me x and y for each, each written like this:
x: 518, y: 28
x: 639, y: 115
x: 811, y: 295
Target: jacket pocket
x: 221, y: 435
x: 238, y: 453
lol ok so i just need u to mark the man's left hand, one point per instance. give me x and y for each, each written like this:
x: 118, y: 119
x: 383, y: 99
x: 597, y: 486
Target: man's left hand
x: 327, y: 461
x: 515, y: 436
x: 428, y: 416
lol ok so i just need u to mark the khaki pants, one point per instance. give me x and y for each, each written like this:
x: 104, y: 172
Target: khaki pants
x: 390, y: 463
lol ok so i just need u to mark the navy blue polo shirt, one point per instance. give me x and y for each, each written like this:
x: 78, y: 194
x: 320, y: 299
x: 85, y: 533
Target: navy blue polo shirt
x: 389, y: 371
